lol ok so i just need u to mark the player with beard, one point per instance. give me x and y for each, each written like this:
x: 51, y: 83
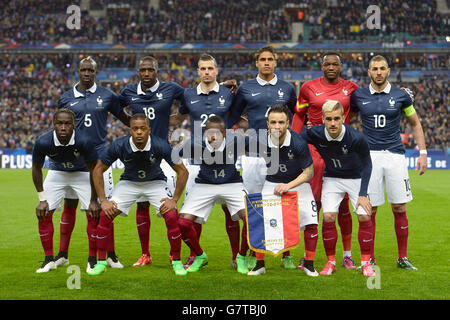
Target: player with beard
x: 381, y: 106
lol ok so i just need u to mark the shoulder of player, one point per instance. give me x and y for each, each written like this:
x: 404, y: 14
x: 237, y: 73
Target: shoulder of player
x: 296, y: 139
x: 105, y: 92
x: 353, y: 133
x: 158, y: 142
x: 129, y: 89
x: 399, y: 92
x: 44, y: 139
x: 246, y: 86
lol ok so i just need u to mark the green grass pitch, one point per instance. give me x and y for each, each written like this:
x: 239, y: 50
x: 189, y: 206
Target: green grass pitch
x: 21, y: 254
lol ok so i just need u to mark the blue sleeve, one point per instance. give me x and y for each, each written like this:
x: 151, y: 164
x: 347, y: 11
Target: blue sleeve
x: 406, y: 100
x: 237, y: 108
x: 183, y: 108
x: 114, y: 106
x: 89, y: 152
x: 110, y: 155
x: 366, y: 164
x: 38, y: 152
x: 61, y: 103
x: 306, y: 135
x: 292, y: 102
x: 123, y: 100
x: 354, y: 103
x: 305, y: 159
x: 166, y: 151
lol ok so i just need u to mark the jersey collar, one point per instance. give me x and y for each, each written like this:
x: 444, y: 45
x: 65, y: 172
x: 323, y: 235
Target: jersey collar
x: 212, y: 149
x: 136, y: 149
x: 59, y: 144
x: 264, y: 82
x: 200, y: 91
x: 78, y: 94
x: 286, y: 142
x: 152, y: 89
x: 386, y: 89
x: 339, y: 137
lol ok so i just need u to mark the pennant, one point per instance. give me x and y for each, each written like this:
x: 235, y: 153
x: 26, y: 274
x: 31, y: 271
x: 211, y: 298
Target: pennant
x: 273, y: 222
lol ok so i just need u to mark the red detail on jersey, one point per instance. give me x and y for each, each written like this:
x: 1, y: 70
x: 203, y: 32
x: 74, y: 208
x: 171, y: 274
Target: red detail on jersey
x: 314, y: 93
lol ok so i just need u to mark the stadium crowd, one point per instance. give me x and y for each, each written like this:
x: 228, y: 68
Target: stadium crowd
x: 219, y: 21
x: 31, y: 85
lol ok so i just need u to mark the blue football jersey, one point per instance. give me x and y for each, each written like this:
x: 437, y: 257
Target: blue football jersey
x: 155, y: 103
x: 285, y: 163
x: 70, y: 157
x: 348, y: 158
x: 380, y: 114
x: 139, y: 165
x: 257, y: 99
x: 201, y: 106
x: 91, y: 110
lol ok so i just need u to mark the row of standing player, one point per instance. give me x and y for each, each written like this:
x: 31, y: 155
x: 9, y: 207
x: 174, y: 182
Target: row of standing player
x: 261, y: 93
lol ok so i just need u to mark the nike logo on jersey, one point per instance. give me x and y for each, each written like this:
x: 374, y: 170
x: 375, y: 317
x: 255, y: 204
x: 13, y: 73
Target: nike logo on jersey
x: 52, y: 155
x: 255, y: 94
x: 366, y: 102
x: 314, y: 235
x: 195, y: 101
x: 176, y: 236
x: 134, y: 99
x: 318, y: 94
x: 73, y: 103
x: 127, y: 160
x: 321, y: 145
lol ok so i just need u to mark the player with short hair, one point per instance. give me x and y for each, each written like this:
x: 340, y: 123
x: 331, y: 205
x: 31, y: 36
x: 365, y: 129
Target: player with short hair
x: 218, y: 181
x: 313, y: 94
x: 380, y: 106
x: 346, y: 154
x: 70, y: 153
x: 255, y: 98
x: 294, y: 170
x: 154, y: 98
x: 207, y: 99
x: 91, y: 104
x: 141, y: 152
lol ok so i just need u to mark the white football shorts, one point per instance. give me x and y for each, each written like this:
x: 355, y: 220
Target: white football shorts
x: 58, y: 184
x: 307, y: 207
x: 108, y: 183
x: 126, y: 193
x: 334, y: 190
x: 202, y: 197
x: 390, y: 169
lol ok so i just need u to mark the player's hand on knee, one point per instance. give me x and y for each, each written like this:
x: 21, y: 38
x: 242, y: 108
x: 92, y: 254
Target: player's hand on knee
x: 42, y: 209
x: 309, y: 125
x: 168, y: 205
x: 109, y: 208
x: 94, y: 210
x: 364, y: 202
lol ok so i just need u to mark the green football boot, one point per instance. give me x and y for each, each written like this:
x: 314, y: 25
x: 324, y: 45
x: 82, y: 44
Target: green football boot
x: 199, y: 262
x: 178, y: 268
x: 99, y: 268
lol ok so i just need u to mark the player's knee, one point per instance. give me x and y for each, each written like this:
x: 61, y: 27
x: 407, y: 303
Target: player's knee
x: 398, y: 207
x: 363, y: 217
x: 329, y: 217
x: 143, y: 205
